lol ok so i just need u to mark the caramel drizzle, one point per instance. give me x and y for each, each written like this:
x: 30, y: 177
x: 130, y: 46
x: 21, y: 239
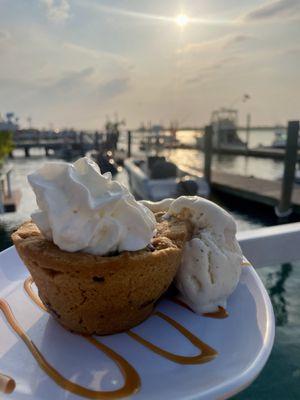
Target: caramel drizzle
x: 220, y: 314
x: 245, y: 263
x: 34, y: 296
x: 131, y: 377
x: 7, y: 384
x: 207, y: 353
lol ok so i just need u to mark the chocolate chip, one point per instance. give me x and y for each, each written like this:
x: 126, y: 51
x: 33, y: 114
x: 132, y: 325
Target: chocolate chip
x: 98, y: 279
x: 150, y: 247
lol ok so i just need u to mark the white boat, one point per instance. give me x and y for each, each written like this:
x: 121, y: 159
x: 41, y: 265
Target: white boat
x: 159, y: 138
x: 224, y: 123
x: 159, y: 142
x: 154, y: 179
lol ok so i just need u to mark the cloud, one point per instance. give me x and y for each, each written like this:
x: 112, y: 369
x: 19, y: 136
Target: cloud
x: 294, y: 51
x: 94, y: 53
x: 113, y: 87
x: 236, y: 39
x: 4, y: 36
x: 229, y: 41
x: 206, y: 71
x: 71, y: 80
x: 84, y: 89
x: 57, y: 10
x: 84, y: 84
x: 274, y: 10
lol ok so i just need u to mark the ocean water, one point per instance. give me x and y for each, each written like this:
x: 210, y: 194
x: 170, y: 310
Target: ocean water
x: 280, y: 378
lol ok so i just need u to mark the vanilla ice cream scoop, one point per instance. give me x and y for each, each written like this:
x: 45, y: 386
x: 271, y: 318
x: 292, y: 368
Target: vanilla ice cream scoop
x: 81, y: 209
x: 211, y: 263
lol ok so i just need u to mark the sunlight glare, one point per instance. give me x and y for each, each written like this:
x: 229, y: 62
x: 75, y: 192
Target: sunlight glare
x: 181, y: 20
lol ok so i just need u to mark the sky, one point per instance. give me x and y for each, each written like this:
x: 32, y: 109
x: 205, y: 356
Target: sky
x: 73, y: 63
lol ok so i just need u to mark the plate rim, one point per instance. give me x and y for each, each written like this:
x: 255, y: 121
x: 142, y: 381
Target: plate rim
x: 241, y: 381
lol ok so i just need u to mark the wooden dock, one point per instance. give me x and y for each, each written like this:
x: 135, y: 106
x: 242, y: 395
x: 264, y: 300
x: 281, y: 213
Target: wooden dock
x: 259, y: 152
x: 258, y: 190
x: 263, y: 152
x: 254, y: 189
x: 11, y: 203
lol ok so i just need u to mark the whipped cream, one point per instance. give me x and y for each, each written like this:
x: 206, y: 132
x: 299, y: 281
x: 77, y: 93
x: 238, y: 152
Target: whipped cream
x: 211, y: 262
x: 82, y: 210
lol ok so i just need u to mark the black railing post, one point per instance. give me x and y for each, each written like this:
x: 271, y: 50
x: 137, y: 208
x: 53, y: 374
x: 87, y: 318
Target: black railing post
x: 208, y: 148
x: 284, y: 208
x: 129, y: 144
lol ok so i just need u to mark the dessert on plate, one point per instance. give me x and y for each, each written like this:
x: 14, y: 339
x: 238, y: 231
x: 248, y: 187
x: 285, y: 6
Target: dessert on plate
x: 100, y: 259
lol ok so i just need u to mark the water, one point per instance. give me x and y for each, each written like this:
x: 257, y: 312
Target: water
x: 281, y: 376
x: 248, y: 166
x: 256, y: 138
x: 280, y: 379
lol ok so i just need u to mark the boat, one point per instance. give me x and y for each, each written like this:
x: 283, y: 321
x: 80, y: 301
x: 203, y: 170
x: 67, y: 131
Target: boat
x: 224, y: 125
x: 154, y: 178
x: 280, y: 139
x: 159, y: 138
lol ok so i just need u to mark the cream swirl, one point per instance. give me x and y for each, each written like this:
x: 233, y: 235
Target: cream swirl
x: 81, y: 209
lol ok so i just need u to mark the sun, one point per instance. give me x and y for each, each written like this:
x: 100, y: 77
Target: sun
x: 181, y: 20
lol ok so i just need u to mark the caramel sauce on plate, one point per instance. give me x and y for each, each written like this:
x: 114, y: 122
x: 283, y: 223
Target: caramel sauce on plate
x: 34, y: 296
x: 245, y: 263
x: 132, y: 381
x: 207, y: 353
x: 220, y: 314
x: 7, y: 384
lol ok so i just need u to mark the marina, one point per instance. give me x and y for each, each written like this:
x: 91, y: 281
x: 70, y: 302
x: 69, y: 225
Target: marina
x: 244, y: 177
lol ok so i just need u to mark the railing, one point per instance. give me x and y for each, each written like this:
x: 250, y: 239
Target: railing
x: 272, y: 245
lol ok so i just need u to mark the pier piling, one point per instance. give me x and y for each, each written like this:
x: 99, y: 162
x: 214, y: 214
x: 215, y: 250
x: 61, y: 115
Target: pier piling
x: 96, y: 141
x: 284, y: 208
x: 248, y: 131
x: 1, y: 199
x: 208, y: 149
x: 81, y: 144
x: 128, y: 144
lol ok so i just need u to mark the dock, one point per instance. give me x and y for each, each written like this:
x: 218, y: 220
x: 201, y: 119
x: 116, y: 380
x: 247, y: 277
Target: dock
x: 11, y: 202
x: 250, y: 188
x: 77, y: 143
x: 263, y: 152
x: 254, y: 189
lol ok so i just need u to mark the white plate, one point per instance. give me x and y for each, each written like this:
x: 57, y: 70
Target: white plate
x: 243, y: 340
